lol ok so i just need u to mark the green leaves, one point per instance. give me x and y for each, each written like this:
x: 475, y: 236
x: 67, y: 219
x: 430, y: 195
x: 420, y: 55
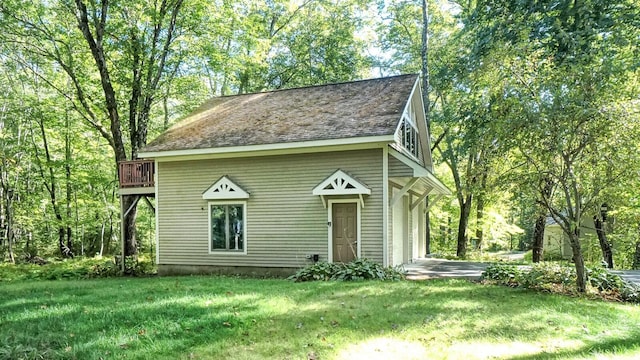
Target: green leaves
x: 359, y: 269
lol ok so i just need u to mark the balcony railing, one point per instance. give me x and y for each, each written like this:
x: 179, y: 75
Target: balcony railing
x: 136, y: 173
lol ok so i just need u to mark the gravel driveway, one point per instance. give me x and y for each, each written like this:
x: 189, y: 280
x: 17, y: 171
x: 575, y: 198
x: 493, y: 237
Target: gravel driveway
x: 441, y: 268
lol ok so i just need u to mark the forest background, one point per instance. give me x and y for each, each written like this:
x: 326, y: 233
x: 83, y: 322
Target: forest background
x: 533, y: 106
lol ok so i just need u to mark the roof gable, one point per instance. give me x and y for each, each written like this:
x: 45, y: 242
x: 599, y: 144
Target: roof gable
x: 337, y: 111
x: 412, y: 137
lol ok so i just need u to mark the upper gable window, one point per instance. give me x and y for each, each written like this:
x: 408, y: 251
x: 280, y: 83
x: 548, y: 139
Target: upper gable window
x: 408, y: 134
x: 409, y: 138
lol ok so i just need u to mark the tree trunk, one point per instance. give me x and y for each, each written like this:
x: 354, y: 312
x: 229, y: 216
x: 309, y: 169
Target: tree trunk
x: 605, y: 245
x: 538, y: 238
x: 51, y: 183
x: 479, y: 221
x: 9, y: 225
x: 67, y: 168
x: 424, y: 54
x: 636, y: 256
x: 578, y: 260
x: 465, y: 211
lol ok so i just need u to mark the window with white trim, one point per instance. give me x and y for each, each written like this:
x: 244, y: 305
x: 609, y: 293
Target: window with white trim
x: 227, y: 223
x: 407, y: 132
x: 227, y: 216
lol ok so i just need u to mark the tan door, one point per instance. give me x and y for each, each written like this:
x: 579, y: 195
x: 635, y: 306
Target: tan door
x: 345, y: 223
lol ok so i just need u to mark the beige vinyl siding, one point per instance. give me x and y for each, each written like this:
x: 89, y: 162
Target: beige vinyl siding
x: 284, y: 221
x: 398, y: 169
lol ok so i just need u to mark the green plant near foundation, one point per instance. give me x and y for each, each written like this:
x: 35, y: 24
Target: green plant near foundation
x: 359, y: 269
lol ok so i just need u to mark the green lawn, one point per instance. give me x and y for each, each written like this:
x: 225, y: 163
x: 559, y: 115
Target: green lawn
x: 230, y: 318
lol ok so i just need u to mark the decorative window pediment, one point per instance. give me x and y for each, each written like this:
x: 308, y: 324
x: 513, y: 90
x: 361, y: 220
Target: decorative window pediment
x: 225, y: 189
x: 340, y: 183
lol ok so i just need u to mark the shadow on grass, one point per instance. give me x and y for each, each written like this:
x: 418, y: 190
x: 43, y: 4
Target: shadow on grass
x: 220, y: 317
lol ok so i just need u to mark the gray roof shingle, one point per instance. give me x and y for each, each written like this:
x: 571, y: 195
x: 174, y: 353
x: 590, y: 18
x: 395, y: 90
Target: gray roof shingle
x: 335, y: 111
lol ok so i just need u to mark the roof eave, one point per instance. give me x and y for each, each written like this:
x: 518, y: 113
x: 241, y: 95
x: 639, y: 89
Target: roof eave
x: 271, y: 149
x: 420, y: 171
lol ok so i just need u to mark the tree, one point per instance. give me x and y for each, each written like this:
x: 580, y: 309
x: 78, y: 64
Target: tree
x: 127, y: 47
x: 566, y: 90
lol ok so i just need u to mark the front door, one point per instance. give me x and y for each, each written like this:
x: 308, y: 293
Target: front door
x: 345, y: 231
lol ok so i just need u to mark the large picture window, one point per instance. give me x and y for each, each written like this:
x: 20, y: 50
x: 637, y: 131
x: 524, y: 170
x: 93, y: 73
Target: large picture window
x: 227, y: 226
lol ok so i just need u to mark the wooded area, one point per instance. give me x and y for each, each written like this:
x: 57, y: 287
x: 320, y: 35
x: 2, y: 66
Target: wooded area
x: 533, y: 106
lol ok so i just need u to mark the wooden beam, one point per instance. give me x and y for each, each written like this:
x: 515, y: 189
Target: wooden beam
x: 438, y: 197
x: 420, y: 198
x: 403, y: 191
x: 153, y: 208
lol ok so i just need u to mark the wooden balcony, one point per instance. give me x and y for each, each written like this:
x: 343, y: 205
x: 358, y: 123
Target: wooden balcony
x: 137, y: 177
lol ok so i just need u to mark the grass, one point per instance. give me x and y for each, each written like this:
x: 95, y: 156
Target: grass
x: 232, y: 318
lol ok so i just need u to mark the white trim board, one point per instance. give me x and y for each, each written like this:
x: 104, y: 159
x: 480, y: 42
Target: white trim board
x: 157, y: 213
x: 366, y: 142
x: 385, y: 206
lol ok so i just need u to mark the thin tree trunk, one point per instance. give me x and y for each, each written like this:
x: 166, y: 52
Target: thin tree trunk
x: 465, y: 211
x: 9, y: 225
x: 67, y: 168
x: 538, y: 239
x: 636, y: 256
x: 102, y: 239
x: 479, y: 221
x: 538, y: 234
x: 424, y: 54
x: 605, y: 245
x: 578, y: 260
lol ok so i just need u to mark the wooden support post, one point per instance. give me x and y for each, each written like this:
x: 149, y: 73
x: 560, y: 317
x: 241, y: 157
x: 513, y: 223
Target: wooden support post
x: 122, y: 232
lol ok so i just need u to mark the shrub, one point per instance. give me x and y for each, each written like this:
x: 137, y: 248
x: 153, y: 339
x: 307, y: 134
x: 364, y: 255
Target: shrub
x: 502, y: 274
x: 74, y: 269
x: 543, y: 276
x: 359, y: 269
x: 562, y: 278
x: 630, y: 292
x: 603, y: 280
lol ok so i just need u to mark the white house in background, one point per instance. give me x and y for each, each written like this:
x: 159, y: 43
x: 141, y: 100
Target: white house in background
x: 556, y: 242
x: 267, y: 182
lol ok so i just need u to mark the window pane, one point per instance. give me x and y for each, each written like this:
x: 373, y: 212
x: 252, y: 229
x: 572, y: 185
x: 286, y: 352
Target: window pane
x: 236, y: 227
x: 218, y: 236
x: 227, y: 227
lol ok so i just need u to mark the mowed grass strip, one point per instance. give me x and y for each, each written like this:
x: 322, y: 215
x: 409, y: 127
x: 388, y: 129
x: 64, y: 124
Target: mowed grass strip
x: 233, y: 318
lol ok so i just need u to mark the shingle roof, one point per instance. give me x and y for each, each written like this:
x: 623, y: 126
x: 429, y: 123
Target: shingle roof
x: 335, y: 111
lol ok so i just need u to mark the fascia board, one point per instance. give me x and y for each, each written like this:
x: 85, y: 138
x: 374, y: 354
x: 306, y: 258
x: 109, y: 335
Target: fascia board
x: 270, y: 149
